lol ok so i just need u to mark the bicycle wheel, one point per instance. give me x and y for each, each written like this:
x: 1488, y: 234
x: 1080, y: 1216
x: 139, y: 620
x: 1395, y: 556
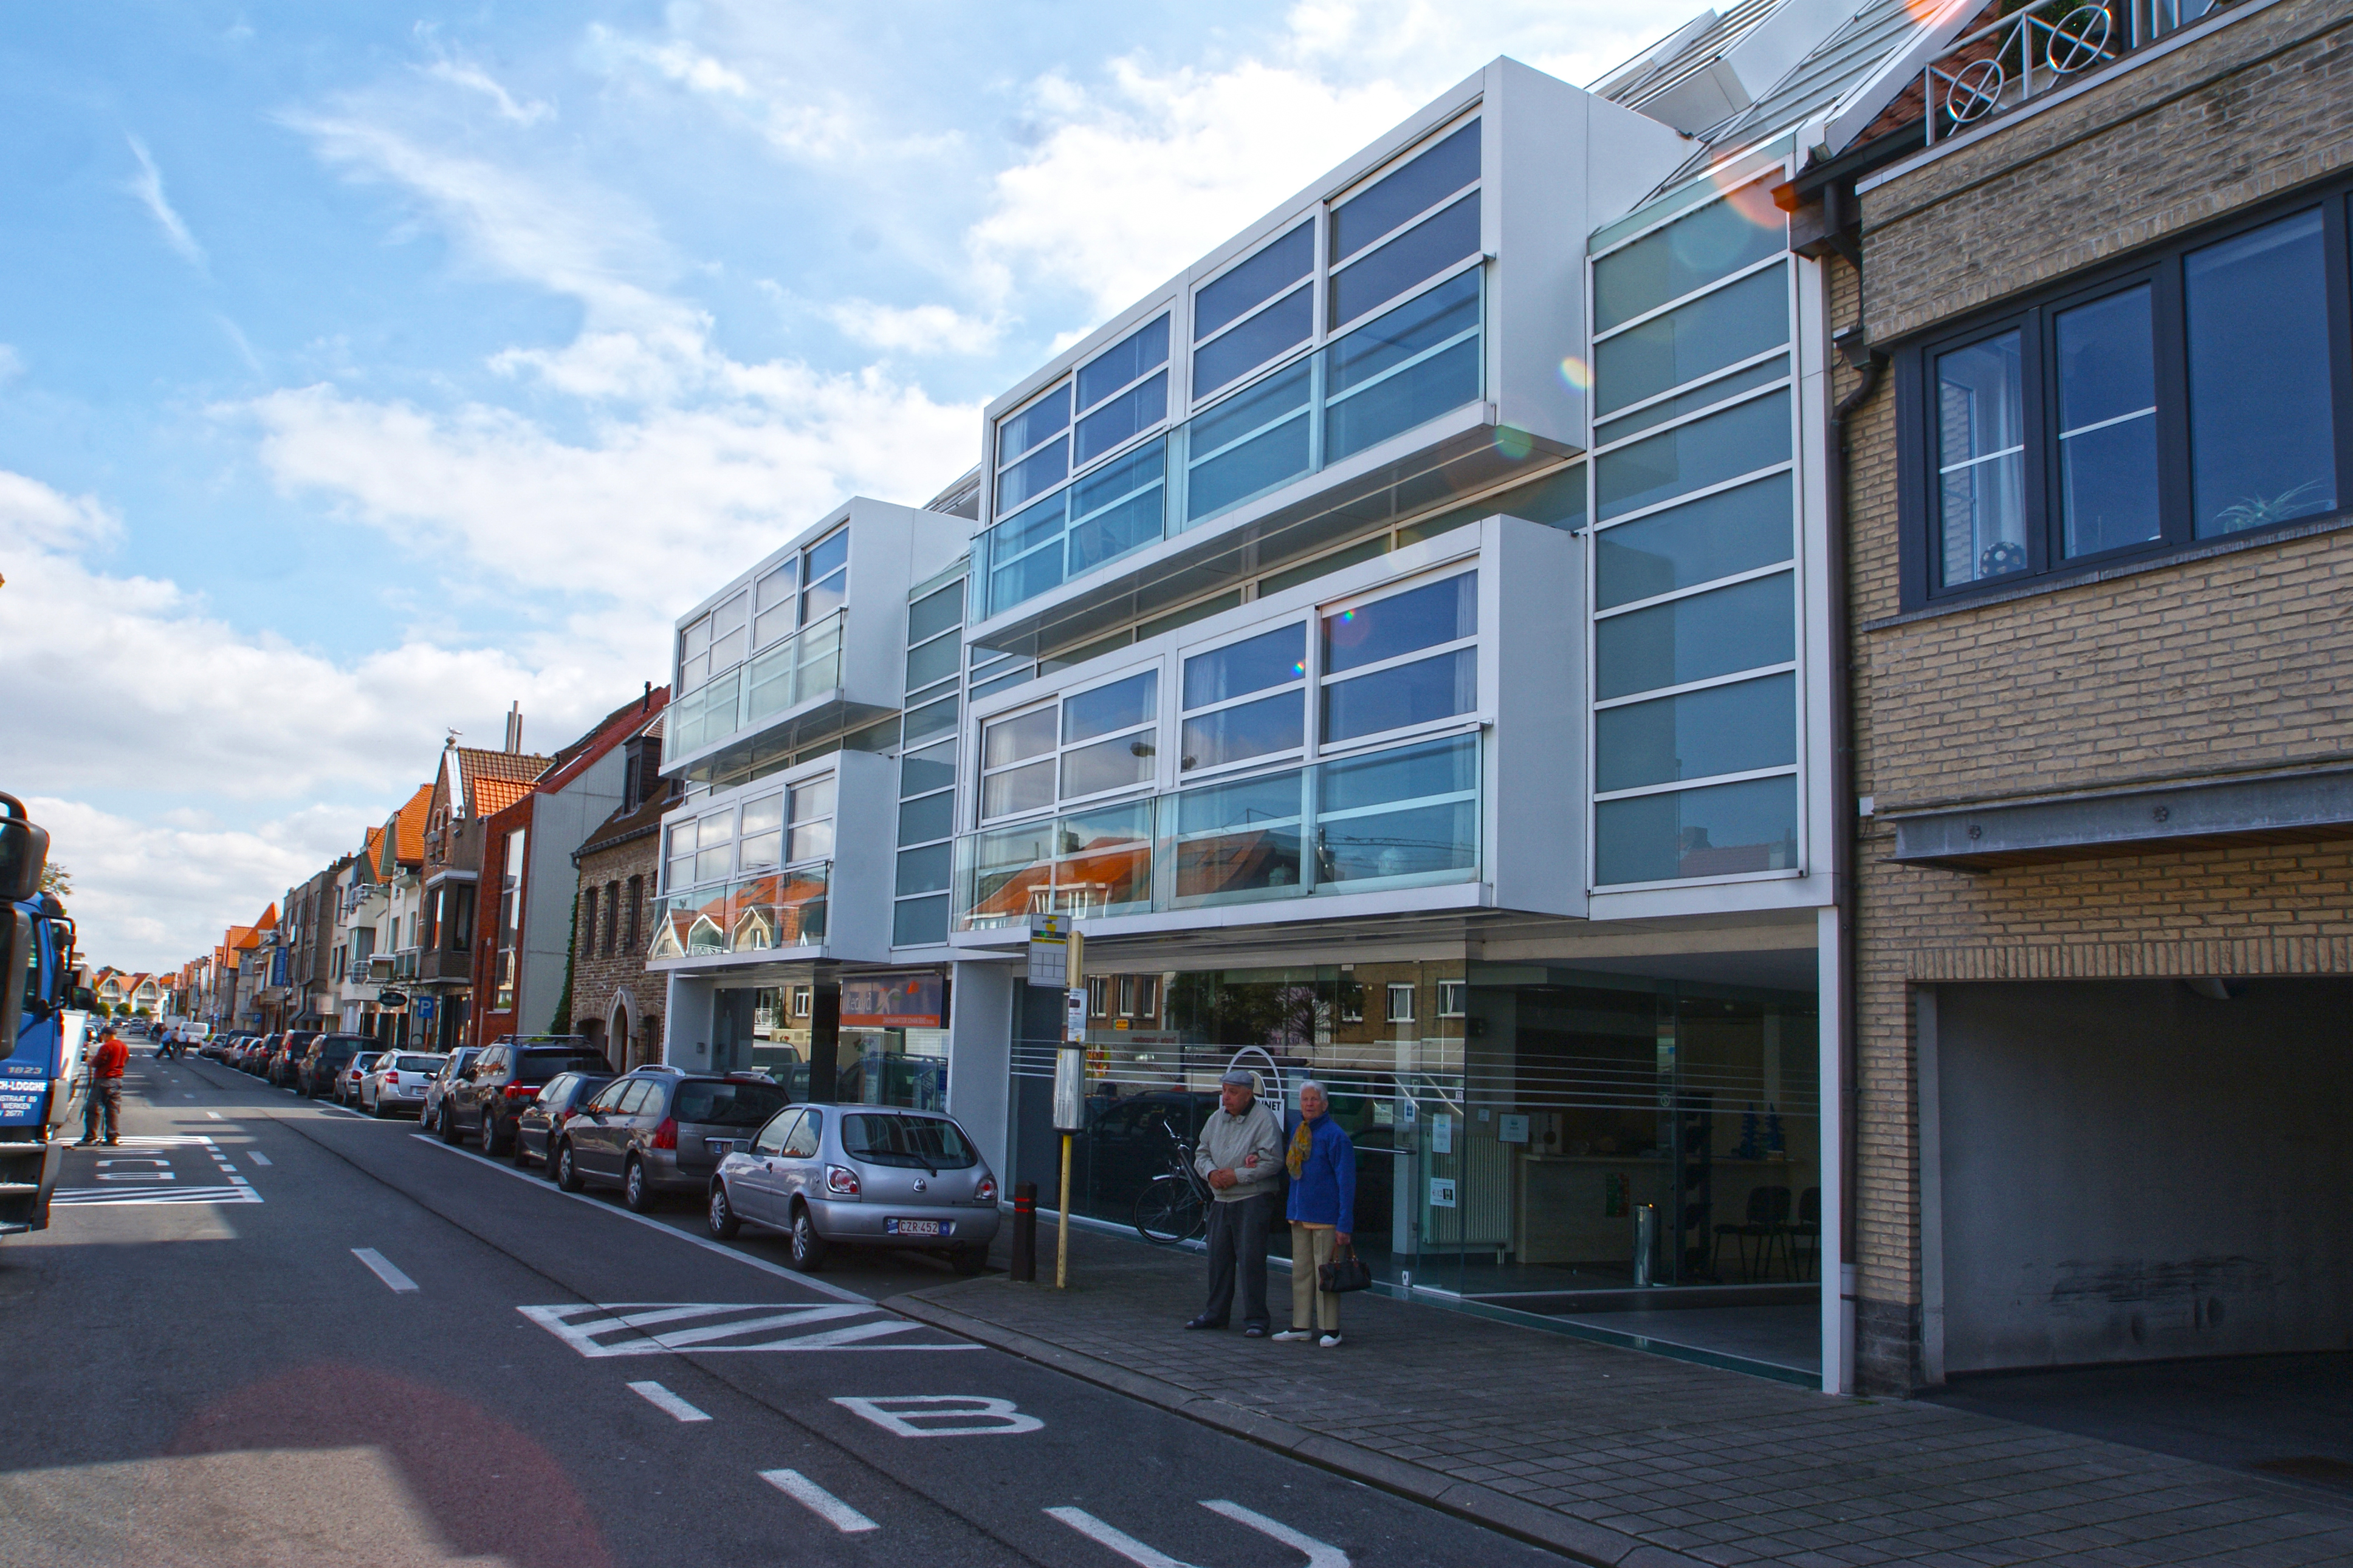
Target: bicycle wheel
x: 1168, y: 1211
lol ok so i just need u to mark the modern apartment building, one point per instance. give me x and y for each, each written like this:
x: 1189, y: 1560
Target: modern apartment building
x: 2099, y: 526
x: 1411, y: 645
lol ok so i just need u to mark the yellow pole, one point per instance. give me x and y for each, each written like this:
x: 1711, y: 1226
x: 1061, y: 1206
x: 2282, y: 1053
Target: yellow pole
x: 1062, y: 1227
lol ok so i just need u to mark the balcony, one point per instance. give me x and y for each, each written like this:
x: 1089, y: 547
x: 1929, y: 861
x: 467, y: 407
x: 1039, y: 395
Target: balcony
x: 1404, y: 817
x: 779, y: 696
x: 751, y: 915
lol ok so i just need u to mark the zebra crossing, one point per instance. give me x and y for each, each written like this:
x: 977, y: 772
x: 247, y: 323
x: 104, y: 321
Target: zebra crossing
x: 142, y: 1171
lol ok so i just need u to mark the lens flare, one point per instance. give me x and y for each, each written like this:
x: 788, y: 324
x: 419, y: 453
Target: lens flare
x: 1747, y: 193
x: 1512, y: 445
x: 1576, y: 374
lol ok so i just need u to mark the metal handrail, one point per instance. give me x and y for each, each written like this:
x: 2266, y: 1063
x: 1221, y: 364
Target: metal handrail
x: 2084, y: 36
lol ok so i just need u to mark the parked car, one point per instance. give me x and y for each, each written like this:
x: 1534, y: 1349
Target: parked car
x: 661, y: 1130
x: 346, y: 1084
x: 286, y: 1065
x: 535, y: 1130
x: 257, y: 1060
x: 867, y: 1175
x: 504, y: 1079
x: 396, y: 1084
x: 320, y: 1069
x: 454, y: 1066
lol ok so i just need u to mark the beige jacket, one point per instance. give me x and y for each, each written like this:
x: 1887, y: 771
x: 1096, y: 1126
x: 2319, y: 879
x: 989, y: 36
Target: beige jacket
x: 1227, y: 1141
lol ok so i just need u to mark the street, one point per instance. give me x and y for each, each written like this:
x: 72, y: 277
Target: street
x: 267, y: 1331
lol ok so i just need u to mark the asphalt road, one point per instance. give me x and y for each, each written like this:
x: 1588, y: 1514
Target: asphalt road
x: 265, y: 1332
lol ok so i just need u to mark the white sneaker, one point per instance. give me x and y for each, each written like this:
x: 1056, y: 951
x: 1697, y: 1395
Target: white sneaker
x: 1328, y: 1340
x: 1290, y: 1336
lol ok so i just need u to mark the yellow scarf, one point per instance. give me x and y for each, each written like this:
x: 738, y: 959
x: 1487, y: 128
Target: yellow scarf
x: 1301, y: 1143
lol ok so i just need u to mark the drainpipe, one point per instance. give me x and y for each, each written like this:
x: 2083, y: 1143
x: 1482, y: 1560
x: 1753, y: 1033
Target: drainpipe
x: 1869, y: 363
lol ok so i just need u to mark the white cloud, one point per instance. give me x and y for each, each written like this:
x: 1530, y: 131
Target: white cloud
x: 11, y: 363
x: 915, y: 330
x: 474, y: 78
x: 148, y: 186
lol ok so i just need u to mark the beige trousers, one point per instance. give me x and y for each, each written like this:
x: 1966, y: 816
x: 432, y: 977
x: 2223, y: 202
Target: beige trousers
x: 1311, y: 1246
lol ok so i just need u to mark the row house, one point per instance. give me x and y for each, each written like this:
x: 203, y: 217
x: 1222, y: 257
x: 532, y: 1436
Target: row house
x: 471, y: 785
x: 359, y: 912
x: 618, y: 869
x: 529, y: 890
x: 398, y: 951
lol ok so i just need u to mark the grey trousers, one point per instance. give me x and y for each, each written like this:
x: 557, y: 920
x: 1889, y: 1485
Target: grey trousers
x: 1238, y: 1235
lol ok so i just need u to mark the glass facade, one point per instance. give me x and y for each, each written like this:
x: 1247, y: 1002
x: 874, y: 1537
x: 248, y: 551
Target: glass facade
x: 1520, y: 1129
x: 1694, y: 665
x: 928, y: 767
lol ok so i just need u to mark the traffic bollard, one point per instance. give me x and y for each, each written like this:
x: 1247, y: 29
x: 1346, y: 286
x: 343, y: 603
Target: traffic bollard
x: 1025, y: 1232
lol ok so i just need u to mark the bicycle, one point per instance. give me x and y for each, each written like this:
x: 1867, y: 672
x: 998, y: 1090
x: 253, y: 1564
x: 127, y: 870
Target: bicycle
x: 1174, y: 1205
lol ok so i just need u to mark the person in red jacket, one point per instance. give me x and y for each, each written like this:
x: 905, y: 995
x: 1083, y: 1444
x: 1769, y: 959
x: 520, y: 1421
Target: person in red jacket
x: 106, y: 1065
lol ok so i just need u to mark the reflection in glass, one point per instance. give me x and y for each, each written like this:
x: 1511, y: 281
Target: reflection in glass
x: 1104, y: 709
x: 1282, y: 326
x: 1140, y: 351
x: 1740, y: 440
x: 1255, y: 281
x: 1245, y: 730
x: 2107, y: 423
x: 1980, y: 461
x: 1107, y: 765
x: 1732, y: 531
x: 1735, y: 729
x: 1426, y: 249
x: 1440, y: 612
x: 1250, y: 442
x: 1419, y: 185
x: 1139, y: 408
x: 2262, y: 425
x: 1421, y: 693
x: 1692, y: 341
x: 1238, y: 669
x: 1694, y: 638
x: 1239, y: 839
x: 1688, y: 254
x: 1411, y: 366
x: 1719, y: 830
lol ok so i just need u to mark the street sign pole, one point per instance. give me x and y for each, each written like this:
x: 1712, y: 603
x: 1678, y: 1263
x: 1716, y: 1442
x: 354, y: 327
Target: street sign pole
x: 1069, y: 1095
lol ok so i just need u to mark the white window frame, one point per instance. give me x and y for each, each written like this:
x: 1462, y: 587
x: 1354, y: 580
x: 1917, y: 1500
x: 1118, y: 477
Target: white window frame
x: 1055, y: 703
x: 1397, y: 988
x: 1454, y: 998
x: 1303, y: 684
x: 1461, y: 566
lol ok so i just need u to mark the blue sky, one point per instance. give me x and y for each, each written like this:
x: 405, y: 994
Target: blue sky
x: 365, y: 368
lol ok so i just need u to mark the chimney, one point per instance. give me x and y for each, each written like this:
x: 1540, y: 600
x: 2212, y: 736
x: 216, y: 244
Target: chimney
x: 514, y: 730
x: 647, y: 699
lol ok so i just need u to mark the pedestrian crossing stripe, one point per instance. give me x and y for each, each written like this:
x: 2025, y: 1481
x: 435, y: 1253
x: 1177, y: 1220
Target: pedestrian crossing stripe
x: 673, y: 1328
x: 92, y: 1197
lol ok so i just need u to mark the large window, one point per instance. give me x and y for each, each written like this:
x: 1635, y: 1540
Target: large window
x: 2194, y: 396
x: 1695, y: 662
x: 1112, y: 398
x: 1093, y: 742
x: 1246, y: 700
x: 927, y: 769
x: 1408, y: 659
x: 739, y: 662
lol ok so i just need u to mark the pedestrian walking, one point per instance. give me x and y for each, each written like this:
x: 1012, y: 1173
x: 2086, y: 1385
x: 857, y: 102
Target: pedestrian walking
x: 106, y: 1065
x: 1238, y: 1154
x: 1322, y: 1160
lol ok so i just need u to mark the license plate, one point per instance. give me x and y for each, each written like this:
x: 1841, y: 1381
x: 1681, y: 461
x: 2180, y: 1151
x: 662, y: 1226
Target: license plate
x: 918, y: 1227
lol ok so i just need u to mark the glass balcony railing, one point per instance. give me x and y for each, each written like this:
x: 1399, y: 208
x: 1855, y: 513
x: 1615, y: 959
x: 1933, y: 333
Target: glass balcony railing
x: 1401, y: 369
x: 801, y: 666
x: 1404, y: 817
x: 752, y: 914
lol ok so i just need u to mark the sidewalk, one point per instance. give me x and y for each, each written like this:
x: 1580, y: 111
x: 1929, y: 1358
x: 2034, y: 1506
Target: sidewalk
x: 1620, y: 1457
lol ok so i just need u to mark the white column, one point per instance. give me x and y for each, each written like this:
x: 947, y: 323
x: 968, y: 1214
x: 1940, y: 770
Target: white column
x: 1836, y: 1044
x: 686, y: 1022
x: 980, y: 1058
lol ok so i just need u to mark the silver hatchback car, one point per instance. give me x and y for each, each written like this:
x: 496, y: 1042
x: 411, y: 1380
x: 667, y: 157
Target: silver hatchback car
x: 867, y: 1175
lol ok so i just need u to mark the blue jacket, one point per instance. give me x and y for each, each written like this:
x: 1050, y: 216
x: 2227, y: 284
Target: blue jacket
x: 1325, y: 1190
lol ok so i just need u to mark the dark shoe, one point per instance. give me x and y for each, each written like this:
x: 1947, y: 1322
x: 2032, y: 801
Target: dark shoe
x: 1254, y: 1331
x: 1206, y: 1321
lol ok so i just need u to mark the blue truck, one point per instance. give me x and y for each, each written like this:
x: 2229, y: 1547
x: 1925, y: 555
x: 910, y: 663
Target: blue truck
x: 43, y: 1019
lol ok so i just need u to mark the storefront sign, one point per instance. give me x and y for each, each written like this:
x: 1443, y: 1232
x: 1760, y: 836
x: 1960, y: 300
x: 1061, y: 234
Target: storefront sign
x: 1512, y: 1130
x: 1441, y: 1192
x: 893, y: 1001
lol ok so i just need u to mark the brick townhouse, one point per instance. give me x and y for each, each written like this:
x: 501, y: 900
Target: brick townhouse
x: 619, y: 864
x: 2102, y: 732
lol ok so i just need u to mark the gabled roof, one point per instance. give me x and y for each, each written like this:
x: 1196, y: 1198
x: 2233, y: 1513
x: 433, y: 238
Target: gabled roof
x: 621, y: 724
x: 488, y: 781
x: 268, y: 920
x: 408, y: 831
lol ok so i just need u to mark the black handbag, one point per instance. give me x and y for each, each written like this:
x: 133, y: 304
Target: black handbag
x: 1345, y: 1272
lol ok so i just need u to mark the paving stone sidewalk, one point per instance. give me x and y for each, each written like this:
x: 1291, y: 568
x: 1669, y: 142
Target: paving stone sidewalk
x: 1617, y: 1456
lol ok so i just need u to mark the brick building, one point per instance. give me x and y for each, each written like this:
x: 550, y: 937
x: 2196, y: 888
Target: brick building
x: 2102, y: 742
x: 619, y: 864
x: 471, y: 787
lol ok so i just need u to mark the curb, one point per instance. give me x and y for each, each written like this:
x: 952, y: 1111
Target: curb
x: 1498, y: 1512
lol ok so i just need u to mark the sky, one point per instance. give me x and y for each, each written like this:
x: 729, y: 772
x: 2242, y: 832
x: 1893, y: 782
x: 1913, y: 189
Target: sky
x: 366, y: 368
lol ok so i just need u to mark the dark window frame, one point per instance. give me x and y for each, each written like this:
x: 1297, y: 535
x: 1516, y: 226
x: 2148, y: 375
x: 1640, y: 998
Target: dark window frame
x: 2033, y: 317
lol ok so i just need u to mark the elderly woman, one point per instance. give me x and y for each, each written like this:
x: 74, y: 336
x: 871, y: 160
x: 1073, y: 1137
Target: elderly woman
x: 1323, y: 1213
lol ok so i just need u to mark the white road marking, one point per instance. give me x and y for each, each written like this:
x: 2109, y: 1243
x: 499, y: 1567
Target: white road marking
x: 383, y: 1269
x: 819, y: 1501
x: 191, y: 1097
x: 668, y: 1404
x: 973, y: 1414
x: 257, y: 1157
x: 215, y: 1115
x: 87, y: 1197
x: 1119, y: 1541
x: 823, y: 1288
x: 633, y: 1328
x: 1319, y: 1554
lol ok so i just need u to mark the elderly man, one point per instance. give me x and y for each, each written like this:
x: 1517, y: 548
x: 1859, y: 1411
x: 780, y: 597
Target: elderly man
x: 1238, y: 1154
x: 1323, y: 1214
